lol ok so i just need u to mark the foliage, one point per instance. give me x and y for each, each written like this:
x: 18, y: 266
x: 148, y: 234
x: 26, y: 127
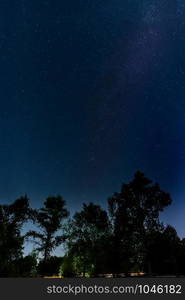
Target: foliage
x: 26, y: 266
x: 164, y: 252
x: 135, y: 213
x: 68, y: 267
x: 49, y: 219
x: 87, y: 231
x: 129, y: 238
x: 50, y: 267
x: 12, y: 219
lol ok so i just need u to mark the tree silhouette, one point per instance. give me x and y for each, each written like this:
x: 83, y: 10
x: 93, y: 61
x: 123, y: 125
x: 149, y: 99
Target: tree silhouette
x: 49, y: 220
x: 87, y: 231
x: 129, y: 238
x: 50, y: 267
x: 181, y: 258
x: 164, y: 251
x: 69, y: 266
x: 12, y: 218
x: 135, y: 214
x: 27, y: 266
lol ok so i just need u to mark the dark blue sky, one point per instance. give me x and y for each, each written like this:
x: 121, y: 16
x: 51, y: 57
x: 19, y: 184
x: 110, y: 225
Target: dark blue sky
x: 90, y: 92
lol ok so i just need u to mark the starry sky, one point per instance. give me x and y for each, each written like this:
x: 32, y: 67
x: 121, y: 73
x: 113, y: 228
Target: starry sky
x: 91, y: 91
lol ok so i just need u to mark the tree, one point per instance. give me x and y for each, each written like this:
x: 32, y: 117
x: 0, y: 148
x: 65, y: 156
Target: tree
x: 50, y: 267
x: 87, y: 233
x: 181, y: 258
x: 135, y: 214
x: 68, y: 267
x: 164, y: 251
x: 49, y: 219
x: 12, y: 218
x: 26, y: 266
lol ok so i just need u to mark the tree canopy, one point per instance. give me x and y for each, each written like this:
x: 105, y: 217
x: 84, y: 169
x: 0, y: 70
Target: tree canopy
x: 135, y: 214
x: 49, y: 219
x: 127, y: 237
x: 12, y: 219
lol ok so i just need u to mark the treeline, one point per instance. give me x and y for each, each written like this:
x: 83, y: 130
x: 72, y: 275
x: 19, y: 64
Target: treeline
x: 126, y: 238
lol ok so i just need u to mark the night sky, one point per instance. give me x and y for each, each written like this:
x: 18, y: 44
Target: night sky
x: 91, y: 91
